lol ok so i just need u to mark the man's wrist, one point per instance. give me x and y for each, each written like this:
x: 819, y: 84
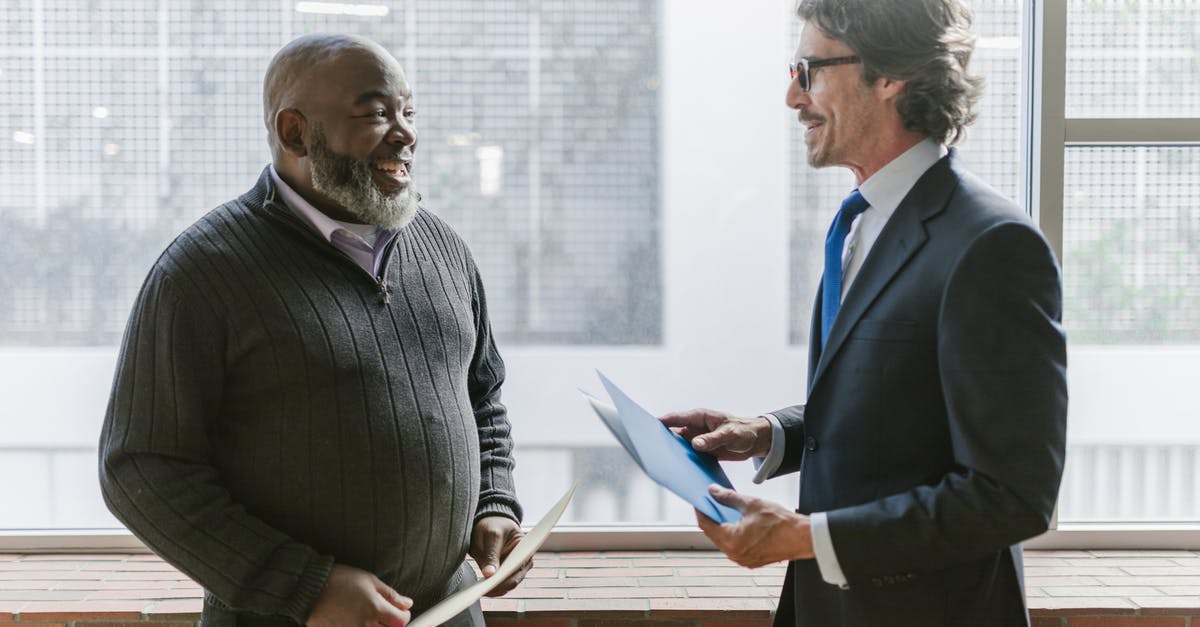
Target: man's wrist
x: 803, y: 538
x: 762, y: 436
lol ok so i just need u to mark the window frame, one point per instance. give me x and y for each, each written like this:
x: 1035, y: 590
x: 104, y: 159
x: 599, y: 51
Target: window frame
x: 1046, y: 134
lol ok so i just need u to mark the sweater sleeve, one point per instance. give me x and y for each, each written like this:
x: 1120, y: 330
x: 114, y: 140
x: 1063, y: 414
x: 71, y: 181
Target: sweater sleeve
x: 497, y: 494
x: 155, y: 469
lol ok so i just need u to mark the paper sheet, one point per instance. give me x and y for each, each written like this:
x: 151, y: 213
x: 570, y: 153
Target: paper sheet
x: 452, y: 605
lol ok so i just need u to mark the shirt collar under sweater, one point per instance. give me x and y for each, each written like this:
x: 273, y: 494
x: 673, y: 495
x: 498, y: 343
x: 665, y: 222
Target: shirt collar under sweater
x: 347, y: 238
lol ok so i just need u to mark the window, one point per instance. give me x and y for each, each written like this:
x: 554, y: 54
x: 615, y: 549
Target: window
x: 1131, y: 260
x: 636, y: 195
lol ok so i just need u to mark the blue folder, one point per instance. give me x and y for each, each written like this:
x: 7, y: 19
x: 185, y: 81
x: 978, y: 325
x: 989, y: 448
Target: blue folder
x: 666, y: 458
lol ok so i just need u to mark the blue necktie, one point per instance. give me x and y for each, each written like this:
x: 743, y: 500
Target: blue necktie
x: 831, y: 284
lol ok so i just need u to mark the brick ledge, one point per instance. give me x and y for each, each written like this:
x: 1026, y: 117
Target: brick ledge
x: 585, y: 589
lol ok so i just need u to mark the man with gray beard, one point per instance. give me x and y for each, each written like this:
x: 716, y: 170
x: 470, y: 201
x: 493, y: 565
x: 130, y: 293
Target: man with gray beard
x: 306, y: 412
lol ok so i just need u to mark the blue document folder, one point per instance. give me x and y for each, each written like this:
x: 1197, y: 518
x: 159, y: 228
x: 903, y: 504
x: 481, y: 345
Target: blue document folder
x: 665, y: 457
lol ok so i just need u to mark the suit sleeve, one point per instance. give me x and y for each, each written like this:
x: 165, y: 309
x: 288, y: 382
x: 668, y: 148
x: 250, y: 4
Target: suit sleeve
x: 1002, y: 362
x: 155, y: 473
x: 792, y: 421
x: 497, y: 493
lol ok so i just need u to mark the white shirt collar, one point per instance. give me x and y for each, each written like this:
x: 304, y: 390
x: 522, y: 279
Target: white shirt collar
x: 320, y: 222
x: 887, y: 187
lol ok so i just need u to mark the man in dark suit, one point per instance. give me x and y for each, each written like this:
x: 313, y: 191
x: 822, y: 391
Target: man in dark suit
x: 932, y: 440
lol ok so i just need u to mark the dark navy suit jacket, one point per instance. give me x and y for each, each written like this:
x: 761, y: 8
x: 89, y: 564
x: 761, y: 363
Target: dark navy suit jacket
x: 934, y: 431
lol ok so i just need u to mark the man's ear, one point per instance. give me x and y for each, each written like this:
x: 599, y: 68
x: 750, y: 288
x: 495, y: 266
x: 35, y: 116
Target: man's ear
x: 290, y: 128
x: 889, y: 88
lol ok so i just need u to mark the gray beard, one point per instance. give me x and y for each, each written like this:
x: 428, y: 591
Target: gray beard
x: 348, y: 182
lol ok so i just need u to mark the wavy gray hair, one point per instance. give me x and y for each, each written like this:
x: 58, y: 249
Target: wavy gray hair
x: 926, y: 43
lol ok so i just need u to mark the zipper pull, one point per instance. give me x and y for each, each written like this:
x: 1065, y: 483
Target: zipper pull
x: 384, y: 296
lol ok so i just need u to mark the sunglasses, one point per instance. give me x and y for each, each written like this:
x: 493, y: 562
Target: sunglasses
x: 803, y: 68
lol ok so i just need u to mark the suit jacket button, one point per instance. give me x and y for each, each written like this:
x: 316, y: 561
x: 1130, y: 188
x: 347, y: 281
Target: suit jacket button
x: 810, y: 443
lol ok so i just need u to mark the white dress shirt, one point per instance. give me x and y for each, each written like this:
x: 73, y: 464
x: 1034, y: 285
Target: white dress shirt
x: 883, y: 191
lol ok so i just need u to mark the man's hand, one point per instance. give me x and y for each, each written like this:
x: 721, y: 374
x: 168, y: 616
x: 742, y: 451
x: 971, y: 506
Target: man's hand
x: 493, y: 538
x: 354, y: 598
x: 767, y: 532
x: 721, y: 434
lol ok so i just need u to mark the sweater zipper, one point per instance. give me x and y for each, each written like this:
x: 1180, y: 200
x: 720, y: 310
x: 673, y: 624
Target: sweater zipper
x: 381, y: 287
x: 384, y: 296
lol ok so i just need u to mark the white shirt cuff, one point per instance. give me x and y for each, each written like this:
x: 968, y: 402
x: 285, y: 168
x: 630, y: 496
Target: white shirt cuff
x: 766, y: 466
x: 827, y: 562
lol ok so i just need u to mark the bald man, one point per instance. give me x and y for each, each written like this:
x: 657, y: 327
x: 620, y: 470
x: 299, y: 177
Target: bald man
x: 306, y: 412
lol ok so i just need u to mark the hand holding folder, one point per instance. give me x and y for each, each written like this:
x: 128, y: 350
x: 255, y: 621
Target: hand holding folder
x: 664, y: 456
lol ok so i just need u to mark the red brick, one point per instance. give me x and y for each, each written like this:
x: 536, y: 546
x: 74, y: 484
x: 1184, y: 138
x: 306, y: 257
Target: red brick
x: 505, y: 607
x: 183, y: 609
x: 542, y: 573
x: 131, y: 566
x: 522, y: 622
x: 599, y: 608
x: 82, y: 610
x: 704, y: 608
x: 591, y: 563
x: 2, y: 624
x: 676, y: 562
x: 602, y: 622
x: 732, y: 570
x: 75, y: 557
x: 631, y: 622
x: 93, y: 584
x: 44, y: 575
x: 80, y: 623
x: 152, y: 594
x: 1127, y: 621
x: 624, y: 593
x: 1047, y: 621
x: 580, y: 582
x: 139, y: 575
x: 619, y: 572
x: 738, y: 592
x: 1080, y: 606
x: 523, y: 592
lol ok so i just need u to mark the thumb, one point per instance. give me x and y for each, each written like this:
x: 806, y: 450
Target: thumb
x: 729, y: 498
x: 724, y: 436
x: 491, y: 559
x: 392, y: 597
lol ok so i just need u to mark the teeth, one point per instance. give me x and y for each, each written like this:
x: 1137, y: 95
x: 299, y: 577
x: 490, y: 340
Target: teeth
x: 388, y: 165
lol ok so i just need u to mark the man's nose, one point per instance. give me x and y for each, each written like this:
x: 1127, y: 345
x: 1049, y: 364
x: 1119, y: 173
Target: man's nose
x: 403, y: 132
x: 795, y: 97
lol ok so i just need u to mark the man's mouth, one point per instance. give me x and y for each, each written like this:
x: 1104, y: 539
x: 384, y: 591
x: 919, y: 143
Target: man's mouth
x: 396, y: 171
x: 811, y: 125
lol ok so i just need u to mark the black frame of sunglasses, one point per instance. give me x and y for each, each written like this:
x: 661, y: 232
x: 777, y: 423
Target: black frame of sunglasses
x: 804, y: 66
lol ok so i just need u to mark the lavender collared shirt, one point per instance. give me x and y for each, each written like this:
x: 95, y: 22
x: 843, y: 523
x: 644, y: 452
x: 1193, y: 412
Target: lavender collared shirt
x: 354, y: 240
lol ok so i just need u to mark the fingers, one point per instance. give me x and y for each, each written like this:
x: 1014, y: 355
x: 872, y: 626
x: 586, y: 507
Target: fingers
x: 390, y: 595
x: 513, y: 581
x: 393, y: 617
x: 707, y: 525
x: 729, y: 498
x: 493, y: 538
x: 489, y: 556
x: 729, y: 436
x: 695, y: 419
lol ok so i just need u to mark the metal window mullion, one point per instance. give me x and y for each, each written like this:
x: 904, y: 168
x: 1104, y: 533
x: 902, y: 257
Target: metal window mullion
x: 1048, y: 104
x: 1131, y: 131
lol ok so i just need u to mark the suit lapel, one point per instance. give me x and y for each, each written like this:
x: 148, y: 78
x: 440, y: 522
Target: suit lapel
x: 901, y: 237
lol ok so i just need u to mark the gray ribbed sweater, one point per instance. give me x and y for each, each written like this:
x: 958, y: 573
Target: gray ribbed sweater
x: 276, y: 409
